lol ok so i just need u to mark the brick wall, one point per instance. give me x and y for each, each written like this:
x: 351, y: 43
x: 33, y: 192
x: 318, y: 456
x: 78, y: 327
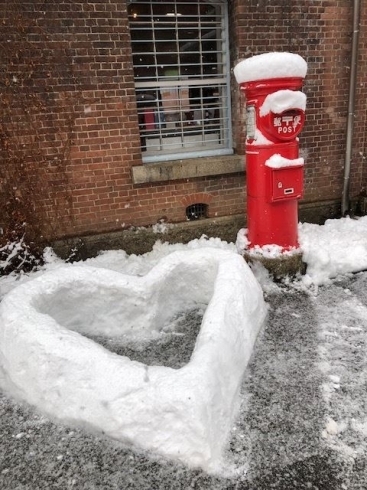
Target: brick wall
x: 70, y: 122
x: 320, y: 31
x: 87, y: 129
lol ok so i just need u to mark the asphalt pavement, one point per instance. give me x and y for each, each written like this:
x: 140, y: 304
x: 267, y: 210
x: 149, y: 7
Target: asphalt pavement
x: 302, y: 422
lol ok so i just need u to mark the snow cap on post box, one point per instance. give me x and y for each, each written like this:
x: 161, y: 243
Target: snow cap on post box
x: 270, y: 65
x: 275, y: 105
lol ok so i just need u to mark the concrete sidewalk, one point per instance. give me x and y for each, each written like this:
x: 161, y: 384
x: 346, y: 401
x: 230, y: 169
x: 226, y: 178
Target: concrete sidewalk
x: 302, y: 422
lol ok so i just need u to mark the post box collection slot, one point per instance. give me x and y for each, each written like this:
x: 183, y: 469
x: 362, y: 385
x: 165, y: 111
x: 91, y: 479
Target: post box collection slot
x: 285, y: 183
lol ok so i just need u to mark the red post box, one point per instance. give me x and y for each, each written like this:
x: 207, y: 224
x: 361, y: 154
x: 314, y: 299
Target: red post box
x: 275, y: 106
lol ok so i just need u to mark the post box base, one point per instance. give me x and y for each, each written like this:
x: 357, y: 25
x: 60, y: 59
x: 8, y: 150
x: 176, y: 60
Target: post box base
x: 279, y: 267
x: 275, y: 223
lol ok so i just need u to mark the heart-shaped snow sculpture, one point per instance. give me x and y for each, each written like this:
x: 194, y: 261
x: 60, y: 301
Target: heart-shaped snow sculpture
x: 181, y: 413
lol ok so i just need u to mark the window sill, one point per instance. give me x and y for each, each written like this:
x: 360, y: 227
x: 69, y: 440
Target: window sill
x: 186, y: 169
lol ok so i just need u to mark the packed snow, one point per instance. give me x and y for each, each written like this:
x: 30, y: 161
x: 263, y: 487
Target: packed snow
x: 54, y: 366
x: 182, y: 413
x: 336, y: 248
x: 277, y: 161
x: 270, y: 65
x: 283, y: 100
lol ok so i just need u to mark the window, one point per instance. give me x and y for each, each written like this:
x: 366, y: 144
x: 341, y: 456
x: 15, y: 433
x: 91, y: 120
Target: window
x: 181, y: 77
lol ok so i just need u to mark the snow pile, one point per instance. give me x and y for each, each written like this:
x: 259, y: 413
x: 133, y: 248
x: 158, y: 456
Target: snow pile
x: 182, y: 413
x: 277, y: 161
x: 162, y: 227
x: 271, y: 251
x: 337, y: 247
x: 283, y: 100
x: 270, y: 65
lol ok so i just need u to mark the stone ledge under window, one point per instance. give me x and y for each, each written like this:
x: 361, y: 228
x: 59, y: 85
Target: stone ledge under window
x: 186, y: 169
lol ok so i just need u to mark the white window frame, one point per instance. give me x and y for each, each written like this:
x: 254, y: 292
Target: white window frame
x: 210, y: 144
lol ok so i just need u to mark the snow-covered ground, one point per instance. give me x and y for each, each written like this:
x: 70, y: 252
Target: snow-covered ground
x: 337, y: 247
x: 335, y: 347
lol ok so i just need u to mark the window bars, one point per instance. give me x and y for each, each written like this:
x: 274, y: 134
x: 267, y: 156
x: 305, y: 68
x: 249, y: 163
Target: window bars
x: 181, y: 77
x: 196, y: 211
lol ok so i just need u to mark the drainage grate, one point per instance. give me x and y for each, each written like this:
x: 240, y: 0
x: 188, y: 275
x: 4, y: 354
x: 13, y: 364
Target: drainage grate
x: 196, y: 211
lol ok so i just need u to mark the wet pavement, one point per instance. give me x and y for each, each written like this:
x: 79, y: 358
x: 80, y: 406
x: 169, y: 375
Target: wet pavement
x: 302, y: 422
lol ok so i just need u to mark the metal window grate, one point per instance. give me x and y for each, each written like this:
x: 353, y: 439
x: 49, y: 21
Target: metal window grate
x: 196, y: 211
x: 181, y: 76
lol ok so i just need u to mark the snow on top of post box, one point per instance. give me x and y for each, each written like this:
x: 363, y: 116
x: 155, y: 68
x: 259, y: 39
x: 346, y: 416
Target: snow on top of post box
x: 270, y: 65
x: 283, y: 100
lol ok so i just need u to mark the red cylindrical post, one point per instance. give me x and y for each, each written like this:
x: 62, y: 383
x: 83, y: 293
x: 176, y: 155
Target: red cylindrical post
x: 275, y: 116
